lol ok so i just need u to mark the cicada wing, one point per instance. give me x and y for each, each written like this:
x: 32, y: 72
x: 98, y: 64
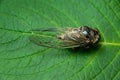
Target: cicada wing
x: 48, y: 38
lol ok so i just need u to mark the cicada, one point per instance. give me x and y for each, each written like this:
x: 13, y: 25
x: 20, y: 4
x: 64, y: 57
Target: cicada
x: 83, y: 36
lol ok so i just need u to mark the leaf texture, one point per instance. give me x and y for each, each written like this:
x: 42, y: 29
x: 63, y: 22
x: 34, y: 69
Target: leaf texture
x: 22, y: 60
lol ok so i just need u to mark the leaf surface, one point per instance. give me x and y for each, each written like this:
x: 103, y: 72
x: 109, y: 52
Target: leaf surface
x: 22, y: 60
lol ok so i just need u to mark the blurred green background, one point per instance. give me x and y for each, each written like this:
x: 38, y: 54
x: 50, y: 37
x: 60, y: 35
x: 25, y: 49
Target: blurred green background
x: 22, y: 60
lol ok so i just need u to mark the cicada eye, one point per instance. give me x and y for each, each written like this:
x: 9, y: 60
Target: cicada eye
x: 97, y: 36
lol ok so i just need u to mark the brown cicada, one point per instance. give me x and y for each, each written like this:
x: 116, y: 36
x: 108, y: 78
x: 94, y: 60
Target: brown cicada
x: 83, y: 36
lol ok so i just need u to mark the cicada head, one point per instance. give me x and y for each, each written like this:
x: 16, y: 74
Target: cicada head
x: 92, y: 36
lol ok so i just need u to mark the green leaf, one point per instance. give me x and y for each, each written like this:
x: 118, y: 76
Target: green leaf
x: 22, y: 60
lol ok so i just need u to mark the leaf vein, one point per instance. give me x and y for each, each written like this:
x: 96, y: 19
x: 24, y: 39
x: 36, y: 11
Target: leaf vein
x: 108, y: 64
x: 105, y: 18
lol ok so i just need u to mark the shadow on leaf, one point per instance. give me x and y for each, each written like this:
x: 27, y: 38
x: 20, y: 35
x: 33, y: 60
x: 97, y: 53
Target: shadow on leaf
x: 90, y: 50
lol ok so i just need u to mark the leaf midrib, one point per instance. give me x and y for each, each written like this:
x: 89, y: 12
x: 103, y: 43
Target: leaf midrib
x: 30, y: 33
